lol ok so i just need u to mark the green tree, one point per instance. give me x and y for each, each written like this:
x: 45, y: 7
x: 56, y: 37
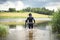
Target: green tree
x: 12, y: 10
x: 39, y: 10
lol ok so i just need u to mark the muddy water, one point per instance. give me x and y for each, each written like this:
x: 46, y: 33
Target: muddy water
x: 21, y: 33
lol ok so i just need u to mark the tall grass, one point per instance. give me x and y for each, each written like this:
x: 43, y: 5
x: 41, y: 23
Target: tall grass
x: 3, y: 31
x: 56, y: 24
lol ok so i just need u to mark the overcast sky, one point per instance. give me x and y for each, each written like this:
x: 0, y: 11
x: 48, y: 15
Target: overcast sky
x: 20, y: 4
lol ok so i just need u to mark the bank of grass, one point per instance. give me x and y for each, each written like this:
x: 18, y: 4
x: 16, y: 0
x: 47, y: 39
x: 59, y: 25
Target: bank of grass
x: 20, y: 15
x: 20, y: 23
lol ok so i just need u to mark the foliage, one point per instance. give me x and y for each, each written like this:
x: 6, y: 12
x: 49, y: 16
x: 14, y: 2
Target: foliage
x: 35, y: 10
x: 3, y: 31
x: 39, y: 10
x: 12, y: 10
x: 20, y: 15
x: 56, y: 22
x: 58, y: 36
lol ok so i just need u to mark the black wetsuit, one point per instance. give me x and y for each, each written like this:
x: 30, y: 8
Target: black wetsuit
x: 30, y: 22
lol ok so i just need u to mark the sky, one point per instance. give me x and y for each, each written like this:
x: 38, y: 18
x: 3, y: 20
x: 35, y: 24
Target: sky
x: 21, y: 4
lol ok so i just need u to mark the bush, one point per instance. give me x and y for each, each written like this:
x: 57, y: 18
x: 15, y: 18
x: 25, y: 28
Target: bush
x: 3, y: 31
x: 12, y: 10
x: 56, y: 22
x: 58, y: 36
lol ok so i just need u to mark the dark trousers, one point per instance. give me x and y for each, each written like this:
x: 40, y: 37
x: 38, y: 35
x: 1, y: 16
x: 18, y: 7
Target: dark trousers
x: 30, y: 26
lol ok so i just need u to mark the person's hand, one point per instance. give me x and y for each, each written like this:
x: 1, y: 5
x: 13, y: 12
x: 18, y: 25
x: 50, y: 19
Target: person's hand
x: 33, y: 23
x: 25, y: 25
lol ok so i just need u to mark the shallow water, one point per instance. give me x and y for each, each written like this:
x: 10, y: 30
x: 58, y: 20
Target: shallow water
x: 37, y: 33
x: 22, y: 19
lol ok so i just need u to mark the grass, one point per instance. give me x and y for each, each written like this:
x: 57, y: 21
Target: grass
x: 3, y: 30
x: 20, y: 15
x: 20, y: 23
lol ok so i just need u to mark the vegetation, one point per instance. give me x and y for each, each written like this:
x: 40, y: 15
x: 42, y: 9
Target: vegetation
x: 12, y: 10
x: 3, y: 31
x: 21, y: 23
x: 56, y: 22
x: 35, y: 10
x: 58, y: 36
x: 20, y: 15
x: 39, y: 10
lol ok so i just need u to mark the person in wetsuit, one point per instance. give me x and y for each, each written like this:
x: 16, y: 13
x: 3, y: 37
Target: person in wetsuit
x: 30, y: 20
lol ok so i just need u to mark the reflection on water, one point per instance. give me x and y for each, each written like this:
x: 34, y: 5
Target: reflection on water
x: 31, y: 35
x: 38, y: 33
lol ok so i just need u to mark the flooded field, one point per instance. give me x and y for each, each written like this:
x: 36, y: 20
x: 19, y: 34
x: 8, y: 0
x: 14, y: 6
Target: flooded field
x: 42, y: 32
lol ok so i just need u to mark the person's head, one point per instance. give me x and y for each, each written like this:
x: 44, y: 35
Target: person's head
x: 30, y: 14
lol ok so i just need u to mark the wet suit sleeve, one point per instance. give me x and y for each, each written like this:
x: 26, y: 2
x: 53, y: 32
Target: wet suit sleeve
x: 26, y: 20
x: 34, y: 20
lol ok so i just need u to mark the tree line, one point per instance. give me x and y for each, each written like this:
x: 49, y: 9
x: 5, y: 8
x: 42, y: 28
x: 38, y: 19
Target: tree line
x: 35, y: 10
x: 39, y: 10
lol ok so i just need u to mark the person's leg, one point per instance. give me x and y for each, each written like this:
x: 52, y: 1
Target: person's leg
x: 31, y: 26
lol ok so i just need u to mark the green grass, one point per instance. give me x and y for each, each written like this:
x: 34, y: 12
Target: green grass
x: 3, y: 30
x: 20, y: 15
x: 20, y: 23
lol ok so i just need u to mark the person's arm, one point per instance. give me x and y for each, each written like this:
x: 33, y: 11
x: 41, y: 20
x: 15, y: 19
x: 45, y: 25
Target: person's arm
x: 26, y: 22
x: 34, y: 20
